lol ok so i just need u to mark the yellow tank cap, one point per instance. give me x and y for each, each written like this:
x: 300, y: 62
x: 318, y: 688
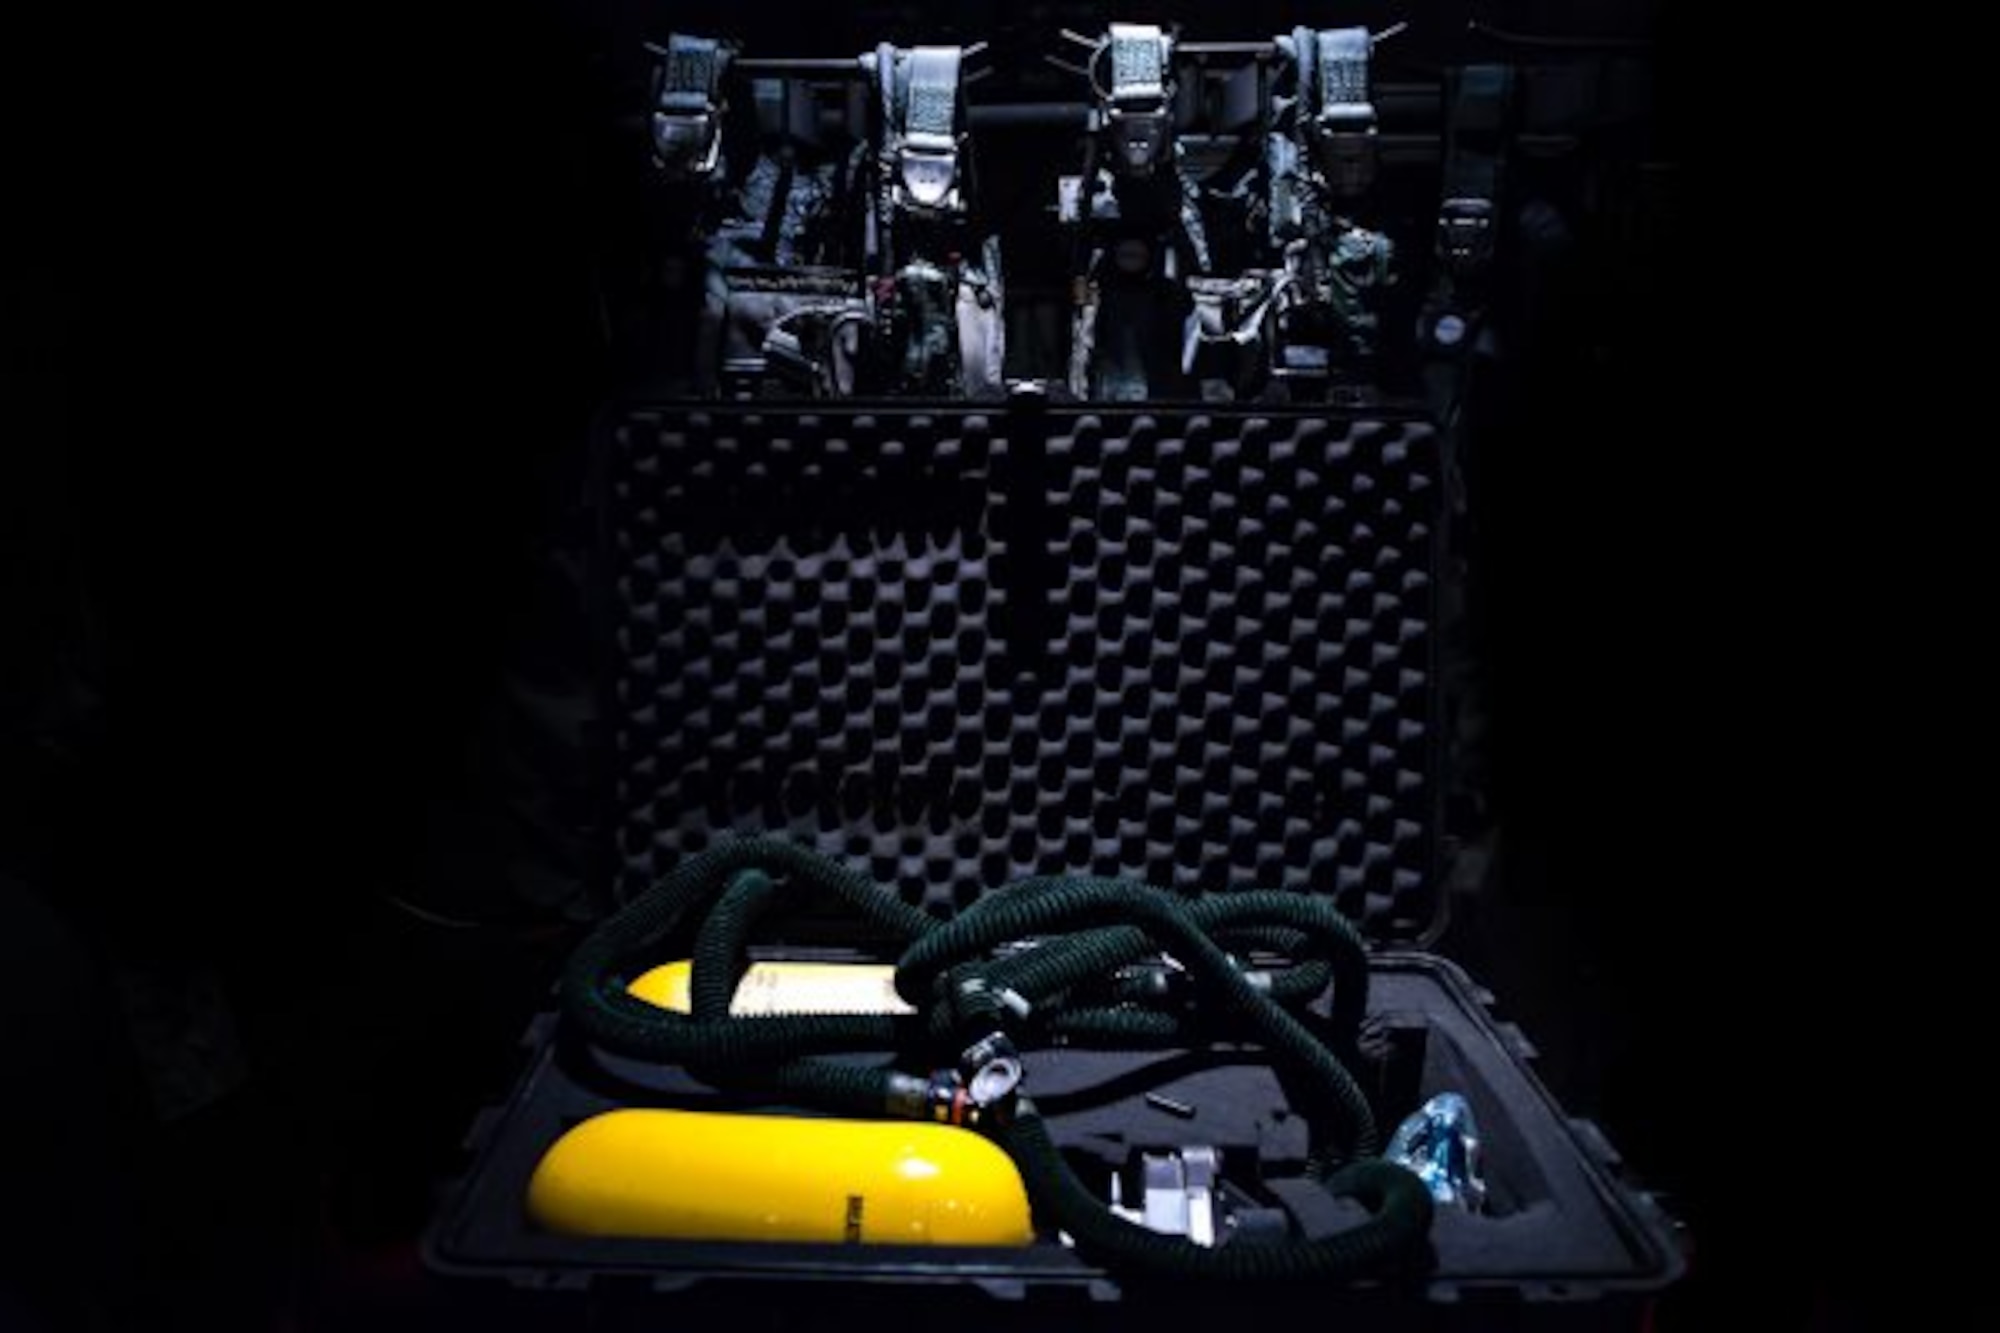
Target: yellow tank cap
x: 698, y: 1175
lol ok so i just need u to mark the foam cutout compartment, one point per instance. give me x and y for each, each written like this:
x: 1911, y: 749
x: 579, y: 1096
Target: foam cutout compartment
x: 953, y: 646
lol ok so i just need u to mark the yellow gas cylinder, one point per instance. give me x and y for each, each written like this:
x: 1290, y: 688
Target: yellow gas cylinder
x: 783, y: 988
x: 697, y: 1175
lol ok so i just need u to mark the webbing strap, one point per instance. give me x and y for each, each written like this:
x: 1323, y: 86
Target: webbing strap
x: 1138, y: 62
x: 1473, y: 167
x: 1337, y: 120
x: 1343, y: 75
x: 931, y: 106
x: 691, y: 73
x: 926, y: 129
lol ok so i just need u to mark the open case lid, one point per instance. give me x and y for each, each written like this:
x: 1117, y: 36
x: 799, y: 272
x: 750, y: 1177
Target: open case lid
x: 954, y: 645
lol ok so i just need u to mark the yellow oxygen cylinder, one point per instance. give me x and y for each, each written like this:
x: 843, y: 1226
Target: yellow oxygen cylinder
x: 783, y: 988
x: 697, y: 1175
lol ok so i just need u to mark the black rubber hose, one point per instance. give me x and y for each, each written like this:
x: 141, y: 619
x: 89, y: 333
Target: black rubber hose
x: 721, y: 955
x: 1335, y: 938
x: 1303, y: 928
x: 595, y: 995
x: 1119, y: 1029
x: 1036, y: 906
x: 722, y: 950
x: 947, y: 974
x: 1074, y: 966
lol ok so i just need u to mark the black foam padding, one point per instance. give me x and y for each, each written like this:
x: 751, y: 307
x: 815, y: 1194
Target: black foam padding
x: 953, y: 647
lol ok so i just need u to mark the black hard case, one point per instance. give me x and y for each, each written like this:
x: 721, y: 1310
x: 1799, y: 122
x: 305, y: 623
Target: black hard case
x: 961, y: 644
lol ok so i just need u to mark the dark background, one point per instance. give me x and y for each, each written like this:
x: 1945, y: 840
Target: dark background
x: 304, y: 319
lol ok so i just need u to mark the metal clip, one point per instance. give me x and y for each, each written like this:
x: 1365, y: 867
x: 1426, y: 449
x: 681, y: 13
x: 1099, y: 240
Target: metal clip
x: 1465, y: 234
x: 689, y: 144
x: 991, y: 1069
x: 948, y: 1101
x: 1179, y: 1194
x: 927, y: 174
x: 1344, y: 147
x: 1138, y: 138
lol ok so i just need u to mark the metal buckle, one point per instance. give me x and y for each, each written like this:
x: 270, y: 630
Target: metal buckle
x: 1465, y: 234
x: 1344, y: 145
x: 927, y: 174
x: 687, y: 142
x: 991, y: 1070
x: 1139, y: 136
x: 1179, y: 1195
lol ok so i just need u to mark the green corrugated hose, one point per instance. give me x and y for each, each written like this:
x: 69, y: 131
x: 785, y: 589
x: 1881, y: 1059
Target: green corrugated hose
x: 1093, y: 978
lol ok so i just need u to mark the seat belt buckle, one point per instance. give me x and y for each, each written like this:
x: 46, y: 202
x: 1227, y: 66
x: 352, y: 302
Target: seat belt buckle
x: 1465, y: 234
x: 1140, y: 130
x: 689, y: 144
x: 927, y: 174
x: 1344, y: 145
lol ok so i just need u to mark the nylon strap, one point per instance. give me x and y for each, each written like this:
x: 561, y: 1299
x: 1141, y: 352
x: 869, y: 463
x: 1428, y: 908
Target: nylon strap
x: 1474, y: 168
x: 932, y: 102
x: 926, y: 129
x: 691, y: 73
x: 1336, y: 119
x: 1343, y: 76
x: 1138, y: 62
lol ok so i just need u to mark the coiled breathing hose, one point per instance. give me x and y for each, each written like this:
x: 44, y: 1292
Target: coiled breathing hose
x: 1099, y: 985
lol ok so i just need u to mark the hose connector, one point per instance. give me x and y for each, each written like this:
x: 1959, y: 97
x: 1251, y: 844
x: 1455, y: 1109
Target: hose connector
x: 949, y: 1101
x: 982, y: 1092
x: 991, y: 1070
